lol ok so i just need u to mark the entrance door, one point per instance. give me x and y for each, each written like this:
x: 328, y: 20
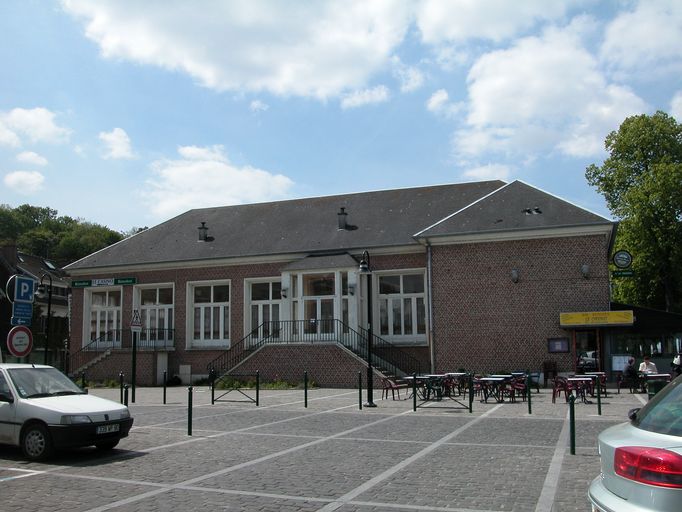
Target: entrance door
x: 265, y: 304
x: 587, y: 351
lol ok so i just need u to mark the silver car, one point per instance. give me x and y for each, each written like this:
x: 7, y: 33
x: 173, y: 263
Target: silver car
x: 641, y: 461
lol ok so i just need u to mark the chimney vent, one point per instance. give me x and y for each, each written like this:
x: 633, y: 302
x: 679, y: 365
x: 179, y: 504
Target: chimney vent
x: 342, y: 216
x: 203, y: 233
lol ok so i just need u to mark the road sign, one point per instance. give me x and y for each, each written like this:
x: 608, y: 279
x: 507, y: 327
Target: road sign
x: 136, y: 323
x: 20, y: 341
x: 23, y: 289
x: 22, y: 313
x: 622, y: 273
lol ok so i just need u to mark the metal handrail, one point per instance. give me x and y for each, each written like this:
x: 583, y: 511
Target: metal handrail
x: 386, y: 355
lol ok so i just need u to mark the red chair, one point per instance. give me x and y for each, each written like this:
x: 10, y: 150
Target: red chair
x: 393, y: 387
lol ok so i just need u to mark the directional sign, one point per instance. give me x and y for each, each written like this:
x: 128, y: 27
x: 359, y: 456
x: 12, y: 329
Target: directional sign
x: 23, y: 289
x: 20, y: 341
x: 22, y: 313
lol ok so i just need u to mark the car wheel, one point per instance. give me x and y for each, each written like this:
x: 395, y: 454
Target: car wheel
x: 109, y: 445
x: 36, y: 443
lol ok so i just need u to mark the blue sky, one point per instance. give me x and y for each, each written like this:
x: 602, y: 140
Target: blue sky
x: 127, y: 113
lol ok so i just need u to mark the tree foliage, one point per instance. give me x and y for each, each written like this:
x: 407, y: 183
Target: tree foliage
x: 40, y: 231
x: 642, y: 183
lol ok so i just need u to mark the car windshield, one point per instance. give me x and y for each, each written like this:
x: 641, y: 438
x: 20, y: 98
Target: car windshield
x: 42, y: 382
x: 663, y: 413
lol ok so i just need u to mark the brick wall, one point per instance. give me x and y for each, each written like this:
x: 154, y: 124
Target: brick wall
x: 485, y: 322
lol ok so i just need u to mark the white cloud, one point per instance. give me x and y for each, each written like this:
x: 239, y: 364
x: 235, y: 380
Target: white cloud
x: 258, y: 106
x: 35, y: 125
x: 542, y: 94
x: 439, y: 103
x: 24, y: 182
x: 29, y: 157
x: 117, y: 144
x: 410, y: 77
x: 676, y: 106
x: 488, y: 172
x: 458, y: 20
x: 205, y: 177
x: 378, y: 94
x: 645, y: 38
x: 319, y: 49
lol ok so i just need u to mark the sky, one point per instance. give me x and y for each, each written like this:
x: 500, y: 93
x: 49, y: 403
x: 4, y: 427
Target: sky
x: 127, y: 113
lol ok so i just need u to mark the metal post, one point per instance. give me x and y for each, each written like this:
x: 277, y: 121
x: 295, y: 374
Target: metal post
x: 49, y: 314
x: 414, y: 392
x: 134, y: 370
x: 257, y: 387
x: 164, y: 387
x: 211, y: 379
x: 598, y: 395
x: 530, y: 394
x: 189, y: 411
x: 471, y: 393
x: 125, y: 395
x: 83, y: 380
x: 120, y: 379
x: 305, y: 389
x: 571, y: 421
x: 365, y: 269
x: 360, y: 390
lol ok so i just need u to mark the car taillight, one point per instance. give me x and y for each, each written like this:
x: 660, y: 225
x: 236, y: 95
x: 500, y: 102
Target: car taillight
x: 653, y: 466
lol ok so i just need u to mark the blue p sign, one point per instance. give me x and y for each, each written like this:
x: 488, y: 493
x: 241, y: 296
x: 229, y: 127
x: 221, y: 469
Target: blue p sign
x: 23, y: 289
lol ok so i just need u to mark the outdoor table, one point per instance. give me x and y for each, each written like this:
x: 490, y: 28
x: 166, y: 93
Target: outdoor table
x: 599, y: 378
x: 491, y: 387
x: 659, y: 378
x: 579, y: 384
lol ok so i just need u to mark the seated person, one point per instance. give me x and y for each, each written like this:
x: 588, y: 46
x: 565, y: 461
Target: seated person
x: 630, y: 374
x: 647, y: 366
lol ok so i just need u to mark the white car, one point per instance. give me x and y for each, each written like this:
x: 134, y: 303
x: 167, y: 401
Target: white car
x: 41, y: 410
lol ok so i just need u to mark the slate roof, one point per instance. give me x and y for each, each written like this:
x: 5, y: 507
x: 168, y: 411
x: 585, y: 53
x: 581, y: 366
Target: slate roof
x: 387, y: 218
x: 513, y: 207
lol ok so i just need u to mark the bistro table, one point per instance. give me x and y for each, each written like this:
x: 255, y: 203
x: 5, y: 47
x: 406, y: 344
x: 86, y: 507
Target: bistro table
x: 579, y: 384
x: 434, y: 388
x: 491, y: 386
x: 600, y: 380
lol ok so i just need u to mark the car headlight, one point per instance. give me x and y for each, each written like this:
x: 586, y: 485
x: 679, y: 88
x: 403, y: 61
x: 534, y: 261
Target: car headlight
x: 125, y: 414
x: 75, y: 419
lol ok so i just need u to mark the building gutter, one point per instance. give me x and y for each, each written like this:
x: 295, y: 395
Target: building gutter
x: 429, y: 288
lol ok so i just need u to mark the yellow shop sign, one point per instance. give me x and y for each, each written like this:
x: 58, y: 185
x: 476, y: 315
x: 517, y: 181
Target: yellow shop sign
x: 596, y: 318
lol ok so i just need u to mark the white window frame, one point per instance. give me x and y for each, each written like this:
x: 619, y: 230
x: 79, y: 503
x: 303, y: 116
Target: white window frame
x: 137, y: 304
x: 413, y: 338
x: 87, y: 314
x: 203, y: 343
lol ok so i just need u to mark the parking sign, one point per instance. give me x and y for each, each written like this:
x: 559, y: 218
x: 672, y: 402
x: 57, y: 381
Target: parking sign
x: 23, y: 289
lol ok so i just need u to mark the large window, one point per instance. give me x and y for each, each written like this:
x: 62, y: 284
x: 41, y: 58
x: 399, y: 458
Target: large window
x: 402, y: 309
x: 265, y: 304
x: 105, y: 315
x: 210, y: 318
x: 156, y: 312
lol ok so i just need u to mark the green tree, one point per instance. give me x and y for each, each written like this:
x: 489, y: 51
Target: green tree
x: 642, y: 183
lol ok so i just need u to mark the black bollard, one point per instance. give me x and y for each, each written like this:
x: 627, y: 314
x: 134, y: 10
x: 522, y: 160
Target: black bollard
x: 257, y: 387
x: 120, y: 379
x: 83, y: 383
x: 360, y: 390
x: 571, y: 421
x: 125, y: 395
x: 164, y: 387
x: 414, y: 392
x: 471, y: 393
x: 189, y: 411
x: 598, y: 396
x: 530, y: 394
x: 305, y: 389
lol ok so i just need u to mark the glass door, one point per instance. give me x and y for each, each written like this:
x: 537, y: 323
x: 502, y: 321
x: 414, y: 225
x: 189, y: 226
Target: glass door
x: 318, y: 304
x: 265, y: 306
x: 587, y: 351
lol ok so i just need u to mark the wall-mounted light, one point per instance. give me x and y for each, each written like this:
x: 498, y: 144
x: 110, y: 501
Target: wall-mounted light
x: 515, y: 276
x: 351, y: 289
x: 283, y: 292
x: 585, y: 270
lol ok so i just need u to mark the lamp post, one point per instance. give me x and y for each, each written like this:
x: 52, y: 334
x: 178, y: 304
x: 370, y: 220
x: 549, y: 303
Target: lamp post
x: 367, y: 271
x: 41, y: 294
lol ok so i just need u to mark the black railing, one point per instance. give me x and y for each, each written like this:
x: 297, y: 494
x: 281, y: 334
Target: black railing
x: 386, y: 355
x: 121, y: 339
x: 392, y: 357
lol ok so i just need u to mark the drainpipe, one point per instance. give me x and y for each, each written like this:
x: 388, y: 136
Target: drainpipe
x: 429, y: 300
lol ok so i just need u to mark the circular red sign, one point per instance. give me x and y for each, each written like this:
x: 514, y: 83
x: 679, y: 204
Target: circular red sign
x: 20, y: 341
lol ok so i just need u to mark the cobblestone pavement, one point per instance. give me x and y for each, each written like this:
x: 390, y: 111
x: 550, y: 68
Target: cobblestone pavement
x: 328, y: 456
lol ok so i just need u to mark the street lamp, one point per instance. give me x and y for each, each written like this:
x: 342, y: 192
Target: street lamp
x: 366, y: 270
x: 41, y: 294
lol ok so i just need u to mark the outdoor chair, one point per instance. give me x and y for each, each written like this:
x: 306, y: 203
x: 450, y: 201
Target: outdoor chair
x: 393, y: 387
x: 560, y: 385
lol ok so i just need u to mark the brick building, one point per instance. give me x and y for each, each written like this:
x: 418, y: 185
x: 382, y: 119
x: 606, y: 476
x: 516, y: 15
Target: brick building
x: 470, y: 275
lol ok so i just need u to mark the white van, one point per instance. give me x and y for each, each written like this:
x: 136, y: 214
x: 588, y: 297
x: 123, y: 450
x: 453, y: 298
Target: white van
x: 41, y: 409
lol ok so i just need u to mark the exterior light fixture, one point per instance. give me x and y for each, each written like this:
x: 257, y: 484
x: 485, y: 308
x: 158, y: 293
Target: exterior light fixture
x: 283, y: 292
x: 585, y: 270
x: 515, y: 276
x: 351, y: 289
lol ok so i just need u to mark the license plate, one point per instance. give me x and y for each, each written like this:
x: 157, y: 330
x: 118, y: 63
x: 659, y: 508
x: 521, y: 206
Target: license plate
x: 107, y: 429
